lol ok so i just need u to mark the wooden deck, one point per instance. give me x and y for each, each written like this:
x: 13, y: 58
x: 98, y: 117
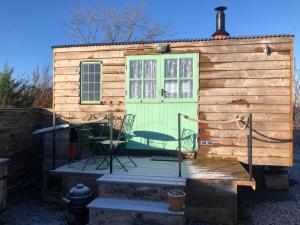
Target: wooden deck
x: 203, y: 168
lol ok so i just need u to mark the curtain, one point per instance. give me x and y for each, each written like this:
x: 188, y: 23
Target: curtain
x: 136, y: 69
x: 135, y: 89
x: 186, y: 67
x: 149, y: 69
x: 149, y: 89
x: 185, y: 89
x: 170, y: 68
x: 170, y: 89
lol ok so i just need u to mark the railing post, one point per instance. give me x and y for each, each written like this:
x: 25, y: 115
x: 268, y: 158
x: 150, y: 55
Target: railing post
x: 111, y: 143
x: 250, y: 146
x: 53, y: 140
x: 179, y: 145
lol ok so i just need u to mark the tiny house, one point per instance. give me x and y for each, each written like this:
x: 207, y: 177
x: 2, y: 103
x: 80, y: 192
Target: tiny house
x: 211, y: 79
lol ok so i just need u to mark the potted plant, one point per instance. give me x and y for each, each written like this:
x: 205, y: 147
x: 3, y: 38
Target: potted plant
x: 176, y: 199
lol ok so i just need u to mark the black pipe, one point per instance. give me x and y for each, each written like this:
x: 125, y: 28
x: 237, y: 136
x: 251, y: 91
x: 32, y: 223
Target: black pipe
x: 220, y: 22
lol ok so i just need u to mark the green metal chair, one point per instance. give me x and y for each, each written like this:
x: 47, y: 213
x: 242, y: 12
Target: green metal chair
x: 94, y: 137
x: 120, y: 142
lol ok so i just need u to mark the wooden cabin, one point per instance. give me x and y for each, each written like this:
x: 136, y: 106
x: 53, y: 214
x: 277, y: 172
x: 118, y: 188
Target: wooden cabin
x: 209, y: 79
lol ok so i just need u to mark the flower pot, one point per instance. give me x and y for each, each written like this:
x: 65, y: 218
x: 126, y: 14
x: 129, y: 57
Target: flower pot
x: 176, y: 200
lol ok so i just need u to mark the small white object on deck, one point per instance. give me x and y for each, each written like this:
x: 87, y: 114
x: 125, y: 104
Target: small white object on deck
x: 47, y: 129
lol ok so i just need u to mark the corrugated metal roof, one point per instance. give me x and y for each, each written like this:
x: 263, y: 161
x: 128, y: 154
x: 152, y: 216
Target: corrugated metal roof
x: 172, y: 41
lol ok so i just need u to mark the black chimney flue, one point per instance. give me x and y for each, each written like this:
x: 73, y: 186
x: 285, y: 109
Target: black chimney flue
x: 220, y: 23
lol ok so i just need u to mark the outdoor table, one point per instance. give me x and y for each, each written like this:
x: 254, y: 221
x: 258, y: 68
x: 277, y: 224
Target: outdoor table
x: 82, y: 132
x: 152, y: 135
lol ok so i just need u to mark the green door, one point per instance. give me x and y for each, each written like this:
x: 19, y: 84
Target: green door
x: 158, y: 87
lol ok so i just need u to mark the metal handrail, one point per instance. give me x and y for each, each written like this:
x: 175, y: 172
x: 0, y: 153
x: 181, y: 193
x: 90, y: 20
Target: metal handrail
x: 111, y: 142
x: 179, y: 145
x: 249, y: 141
x: 249, y: 137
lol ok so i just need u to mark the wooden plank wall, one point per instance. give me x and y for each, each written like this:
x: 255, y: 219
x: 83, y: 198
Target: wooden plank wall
x: 19, y: 145
x: 236, y: 77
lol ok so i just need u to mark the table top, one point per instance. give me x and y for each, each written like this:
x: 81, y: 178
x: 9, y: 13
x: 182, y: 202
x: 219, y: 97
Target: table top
x: 152, y: 135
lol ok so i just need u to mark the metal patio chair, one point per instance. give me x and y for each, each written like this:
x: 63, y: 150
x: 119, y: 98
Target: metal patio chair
x: 120, y: 142
x: 94, y: 137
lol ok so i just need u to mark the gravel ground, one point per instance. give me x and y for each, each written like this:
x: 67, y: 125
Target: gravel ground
x: 273, y: 207
x: 255, y: 208
x: 27, y: 208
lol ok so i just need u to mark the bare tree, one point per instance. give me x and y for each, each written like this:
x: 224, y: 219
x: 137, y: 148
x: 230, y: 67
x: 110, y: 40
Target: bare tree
x: 41, y: 87
x: 89, y: 25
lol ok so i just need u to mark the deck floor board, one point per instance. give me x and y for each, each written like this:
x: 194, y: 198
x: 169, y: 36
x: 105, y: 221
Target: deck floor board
x: 201, y: 168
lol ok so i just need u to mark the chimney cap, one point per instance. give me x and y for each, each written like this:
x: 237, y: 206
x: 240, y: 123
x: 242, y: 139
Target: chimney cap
x: 220, y: 8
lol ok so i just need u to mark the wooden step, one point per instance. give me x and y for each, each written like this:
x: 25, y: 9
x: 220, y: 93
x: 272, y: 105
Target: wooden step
x: 110, y: 211
x: 152, y: 188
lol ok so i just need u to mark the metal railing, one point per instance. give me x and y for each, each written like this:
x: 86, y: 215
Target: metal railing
x: 249, y: 141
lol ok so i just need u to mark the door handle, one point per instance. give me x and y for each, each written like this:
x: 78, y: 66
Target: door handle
x: 162, y: 92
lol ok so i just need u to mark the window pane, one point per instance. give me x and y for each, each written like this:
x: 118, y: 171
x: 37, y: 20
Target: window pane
x: 97, y: 77
x: 84, y: 87
x: 186, y: 67
x: 92, y: 87
x: 97, y: 68
x: 85, y: 68
x: 91, y: 77
x: 149, y: 89
x: 170, y: 89
x: 170, y: 68
x: 185, y: 89
x: 85, y: 77
x: 97, y: 96
x: 135, y: 69
x: 84, y: 96
x: 135, y: 89
x: 149, y: 68
x: 97, y: 87
x: 91, y: 68
x: 91, y: 96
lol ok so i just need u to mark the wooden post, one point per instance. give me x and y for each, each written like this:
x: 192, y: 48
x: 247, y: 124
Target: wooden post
x: 250, y: 146
x: 111, y: 143
x: 53, y: 140
x: 179, y: 145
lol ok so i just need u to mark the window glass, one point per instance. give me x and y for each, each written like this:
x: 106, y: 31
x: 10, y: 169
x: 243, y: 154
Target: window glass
x: 186, y: 67
x: 90, y: 82
x: 149, y: 89
x: 149, y: 68
x: 136, y: 67
x: 170, y: 89
x: 135, y: 89
x: 185, y: 88
x: 170, y: 68
x: 142, y: 79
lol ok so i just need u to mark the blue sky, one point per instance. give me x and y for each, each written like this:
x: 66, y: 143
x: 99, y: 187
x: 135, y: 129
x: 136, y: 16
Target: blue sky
x: 29, y: 28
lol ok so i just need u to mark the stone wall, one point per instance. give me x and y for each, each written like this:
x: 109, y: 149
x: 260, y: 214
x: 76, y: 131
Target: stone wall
x: 18, y: 143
